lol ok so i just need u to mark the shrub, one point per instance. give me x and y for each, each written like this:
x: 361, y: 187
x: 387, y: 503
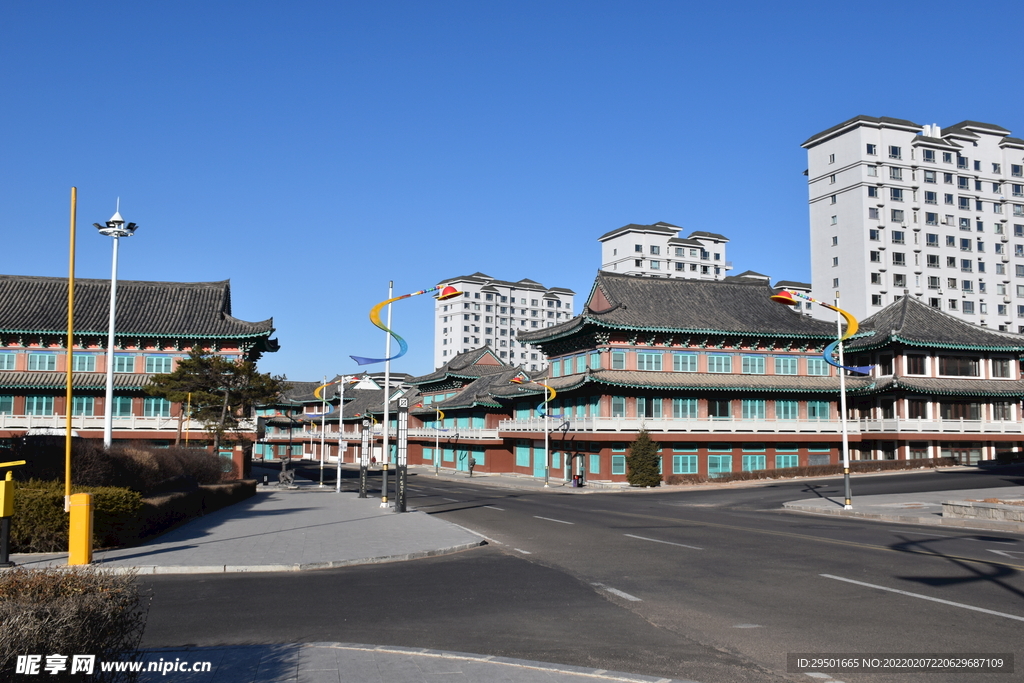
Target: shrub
x: 41, y: 525
x: 816, y: 470
x: 70, y: 611
x: 642, y: 462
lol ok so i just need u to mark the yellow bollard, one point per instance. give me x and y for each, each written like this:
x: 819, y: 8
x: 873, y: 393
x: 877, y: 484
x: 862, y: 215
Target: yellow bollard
x: 80, y: 536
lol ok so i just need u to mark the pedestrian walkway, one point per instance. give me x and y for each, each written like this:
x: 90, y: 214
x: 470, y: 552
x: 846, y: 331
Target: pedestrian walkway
x: 913, y: 508
x: 280, y: 529
x: 337, y: 662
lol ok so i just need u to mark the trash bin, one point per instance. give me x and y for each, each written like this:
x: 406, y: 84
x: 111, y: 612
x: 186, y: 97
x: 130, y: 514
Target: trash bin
x: 575, y: 480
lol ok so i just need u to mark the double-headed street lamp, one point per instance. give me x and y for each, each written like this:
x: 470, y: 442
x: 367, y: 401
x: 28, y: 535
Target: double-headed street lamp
x: 549, y: 395
x: 116, y: 228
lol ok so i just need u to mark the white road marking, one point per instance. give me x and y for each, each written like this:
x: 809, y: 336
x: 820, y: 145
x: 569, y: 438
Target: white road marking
x: 926, y: 597
x: 815, y: 674
x: 494, y: 508
x: 985, y: 540
x: 1007, y: 553
x: 451, y: 499
x: 621, y: 594
x: 681, y: 545
x: 748, y: 626
x: 548, y: 519
x: 524, y: 552
x: 921, y: 533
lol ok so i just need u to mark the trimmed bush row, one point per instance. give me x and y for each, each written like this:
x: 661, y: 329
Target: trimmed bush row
x: 815, y: 471
x: 70, y: 611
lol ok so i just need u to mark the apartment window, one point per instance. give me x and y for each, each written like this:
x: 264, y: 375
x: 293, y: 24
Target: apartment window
x: 896, y: 194
x: 873, y: 214
x: 997, y: 168
x: 752, y: 365
x: 718, y: 362
x: 639, y: 263
x: 655, y: 265
x: 831, y: 158
x: 876, y: 299
x: 896, y: 215
x: 684, y: 408
x: 899, y: 280
x: 932, y: 260
x: 618, y: 360
x: 832, y: 199
x: 684, y: 464
x: 785, y: 366
x: 965, y: 245
x: 947, y: 157
x: 7, y: 361
x: 835, y: 240
x: 39, y: 405
x: 872, y: 150
x: 929, y: 176
x: 895, y: 152
x: 835, y: 220
x: 719, y: 409
x: 648, y: 407
x: 655, y: 250
x: 931, y: 197
x: 83, y: 362
x: 899, y: 258
x: 964, y: 203
x: 966, y: 266
x: 648, y: 361
x: 638, y: 248
x: 158, y: 364
x: 961, y: 162
x: 156, y: 407
x: 928, y: 155
x: 684, y: 362
x: 950, y: 262
x: 931, y: 219
x: 835, y: 261
x: 876, y: 278
x: 968, y: 307
x: 6, y: 405
x: 874, y: 235
x: 832, y: 179
x: 817, y: 367
x: 1016, y: 170
x: 786, y: 410
x: 933, y: 282
x: 895, y: 173
x: 875, y: 256
x: 898, y: 237
x: 42, y: 361
x: 835, y: 283
x: 873, y: 171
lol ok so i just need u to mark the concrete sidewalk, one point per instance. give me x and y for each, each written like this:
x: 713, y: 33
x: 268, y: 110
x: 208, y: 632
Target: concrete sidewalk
x: 913, y: 508
x: 337, y: 662
x: 284, y: 530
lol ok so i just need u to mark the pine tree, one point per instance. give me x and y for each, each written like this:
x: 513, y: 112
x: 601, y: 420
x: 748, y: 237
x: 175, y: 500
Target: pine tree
x: 642, y: 462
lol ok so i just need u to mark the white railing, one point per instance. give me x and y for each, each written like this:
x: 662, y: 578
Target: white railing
x: 943, y: 426
x: 452, y: 432
x: 686, y: 426
x: 95, y: 422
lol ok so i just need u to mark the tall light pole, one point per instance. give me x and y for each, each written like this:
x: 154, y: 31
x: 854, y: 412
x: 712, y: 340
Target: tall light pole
x: 116, y: 228
x: 788, y: 298
x: 549, y: 395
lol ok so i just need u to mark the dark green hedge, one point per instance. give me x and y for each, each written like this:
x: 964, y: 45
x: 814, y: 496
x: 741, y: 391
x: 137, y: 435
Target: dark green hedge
x: 41, y: 525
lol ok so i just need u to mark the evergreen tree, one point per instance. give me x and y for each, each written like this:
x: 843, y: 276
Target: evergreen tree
x: 642, y: 462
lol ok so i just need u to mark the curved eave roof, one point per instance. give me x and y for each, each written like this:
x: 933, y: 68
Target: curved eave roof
x: 871, y: 345
x: 79, y: 380
x: 944, y: 387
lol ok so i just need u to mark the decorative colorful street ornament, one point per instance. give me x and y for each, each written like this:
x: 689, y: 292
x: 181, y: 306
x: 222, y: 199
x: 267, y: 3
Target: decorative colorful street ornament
x: 542, y: 408
x: 789, y: 298
x: 446, y: 293
x: 349, y: 379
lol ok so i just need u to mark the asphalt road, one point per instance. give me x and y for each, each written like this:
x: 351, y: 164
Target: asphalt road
x: 713, y: 585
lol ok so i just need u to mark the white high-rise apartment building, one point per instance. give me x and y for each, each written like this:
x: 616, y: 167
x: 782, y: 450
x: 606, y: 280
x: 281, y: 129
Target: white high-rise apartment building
x: 898, y: 208
x: 492, y: 313
x: 659, y: 251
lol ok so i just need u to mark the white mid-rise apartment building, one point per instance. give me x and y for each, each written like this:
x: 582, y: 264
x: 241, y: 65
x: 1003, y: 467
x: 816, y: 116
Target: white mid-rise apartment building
x: 492, y: 313
x: 898, y: 208
x: 659, y: 251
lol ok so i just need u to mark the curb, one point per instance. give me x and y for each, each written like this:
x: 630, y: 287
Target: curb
x: 1011, y: 527
x: 446, y: 654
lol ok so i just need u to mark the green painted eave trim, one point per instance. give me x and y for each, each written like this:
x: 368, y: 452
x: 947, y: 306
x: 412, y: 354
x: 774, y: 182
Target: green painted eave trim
x: 681, y: 387
x: 165, y: 335
x: 873, y: 388
x: 895, y: 338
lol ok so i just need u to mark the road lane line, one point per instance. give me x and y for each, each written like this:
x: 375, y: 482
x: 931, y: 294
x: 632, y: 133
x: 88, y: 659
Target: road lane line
x: 494, y: 508
x: 681, y: 545
x: 553, y: 520
x: 524, y: 552
x: 451, y: 499
x: 621, y: 594
x: 921, y: 533
x: 982, y: 540
x: 925, y: 597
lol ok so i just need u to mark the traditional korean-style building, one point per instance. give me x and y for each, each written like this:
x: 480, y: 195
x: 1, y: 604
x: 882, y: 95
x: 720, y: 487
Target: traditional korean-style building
x: 157, y: 324
x: 723, y: 379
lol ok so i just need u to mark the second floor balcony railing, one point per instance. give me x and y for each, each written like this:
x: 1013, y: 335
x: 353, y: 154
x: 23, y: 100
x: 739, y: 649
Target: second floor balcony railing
x: 957, y: 426
x: 676, y: 425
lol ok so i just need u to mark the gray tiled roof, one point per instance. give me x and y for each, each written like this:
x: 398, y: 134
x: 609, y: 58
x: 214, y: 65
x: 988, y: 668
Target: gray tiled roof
x: 713, y: 235
x: 782, y: 284
x: 173, y: 309
x: 700, y: 381
x: 689, y: 307
x: 663, y: 228
x: 1011, y: 142
x: 79, y: 380
x: 924, y: 140
x: 462, y: 365
x: 944, y: 386
x: 978, y: 125
x: 879, y: 121
x: 915, y: 323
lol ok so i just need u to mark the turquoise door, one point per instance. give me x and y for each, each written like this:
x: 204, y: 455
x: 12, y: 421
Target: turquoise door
x: 538, y: 461
x: 462, y: 460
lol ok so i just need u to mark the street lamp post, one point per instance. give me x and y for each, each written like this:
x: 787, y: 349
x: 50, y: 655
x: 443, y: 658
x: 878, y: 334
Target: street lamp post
x: 549, y: 394
x: 789, y: 298
x: 116, y: 228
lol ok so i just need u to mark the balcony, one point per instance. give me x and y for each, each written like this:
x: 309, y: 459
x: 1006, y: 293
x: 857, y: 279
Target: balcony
x: 921, y: 426
x: 463, y: 433
x: 130, y: 423
x: 678, y: 426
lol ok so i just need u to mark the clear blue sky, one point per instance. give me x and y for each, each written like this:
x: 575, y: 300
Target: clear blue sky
x: 312, y: 151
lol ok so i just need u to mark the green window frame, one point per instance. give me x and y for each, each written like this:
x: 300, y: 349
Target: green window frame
x: 684, y: 362
x: 84, y: 362
x: 7, y: 361
x: 581, y: 364
x: 752, y: 365
x: 817, y: 367
x: 719, y: 465
x: 719, y: 362
x: 786, y: 460
x: 648, y: 407
x: 618, y: 406
x: 122, y: 406
x: 684, y: 464
x: 124, y: 363
x: 448, y: 455
x: 753, y: 447
x: 6, y: 405
x: 160, y: 365
x: 684, y: 448
x: 819, y: 448
x: 522, y: 453
x: 648, y: 361
x: 787, y: 410
x: 42, y: 361
x: 566, y: 366
x: 618, y: 464
x: 595, y: 463
x: 818, y: 410
x: 753, y: 408
x: 618, y: 447
x: 618, y: 360
x: 556, y: 368
x: 595, y: 361
x: 684, y: 408
x: 39, y: 405
x: 84, y: 406
x: 155, y: 406
x: 719, y: 448
x: 428, y: 454
x: 786, y: 365
x: 752, y: 463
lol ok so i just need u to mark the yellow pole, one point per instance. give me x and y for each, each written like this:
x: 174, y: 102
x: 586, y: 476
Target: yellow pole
x: 80, y: 531
x: 70, y: 354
